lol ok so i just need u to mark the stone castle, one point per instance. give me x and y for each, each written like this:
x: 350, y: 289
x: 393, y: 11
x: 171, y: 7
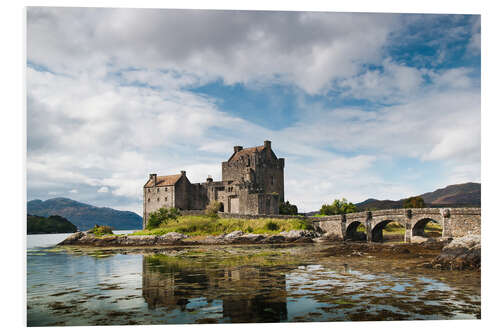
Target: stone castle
x: 252, y: 183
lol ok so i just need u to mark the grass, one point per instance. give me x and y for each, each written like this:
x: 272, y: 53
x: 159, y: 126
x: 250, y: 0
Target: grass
x: 204, y: 225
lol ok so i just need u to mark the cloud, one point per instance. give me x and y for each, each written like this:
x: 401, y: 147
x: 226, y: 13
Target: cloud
x: 73, y: 191
x: 111, y: 99
x: 304, y: 48
x: 103, y: 189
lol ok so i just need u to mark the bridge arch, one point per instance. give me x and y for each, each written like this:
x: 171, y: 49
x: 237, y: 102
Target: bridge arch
x: 418, y: 228
x: 378, y: 229
x: 352, y: 233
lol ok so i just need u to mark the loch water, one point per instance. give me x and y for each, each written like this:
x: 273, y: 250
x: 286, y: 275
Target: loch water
x: 229, y: 284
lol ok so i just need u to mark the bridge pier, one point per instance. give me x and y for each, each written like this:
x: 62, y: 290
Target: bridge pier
x: 408, y: 226
x: 446, y: 225
x: 368, y: 226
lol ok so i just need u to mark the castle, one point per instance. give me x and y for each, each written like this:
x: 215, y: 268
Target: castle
x: 252, y: 183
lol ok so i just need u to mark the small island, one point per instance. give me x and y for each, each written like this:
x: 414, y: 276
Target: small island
x: 53, y: 224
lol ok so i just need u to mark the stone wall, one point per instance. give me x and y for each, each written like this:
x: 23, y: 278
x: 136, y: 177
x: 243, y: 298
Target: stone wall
x: 259, y: 216
x: 465, y: 221
x: 156, y: 198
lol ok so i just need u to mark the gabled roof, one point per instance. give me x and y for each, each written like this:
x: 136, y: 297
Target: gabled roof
x: 246, y: 152
x: 164, y: 180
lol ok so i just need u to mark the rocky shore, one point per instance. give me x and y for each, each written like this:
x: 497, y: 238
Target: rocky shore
x: 461, y: 253
x: 174, y: 238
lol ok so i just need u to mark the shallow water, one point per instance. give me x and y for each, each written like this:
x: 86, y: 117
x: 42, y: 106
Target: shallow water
x: 223, y: 284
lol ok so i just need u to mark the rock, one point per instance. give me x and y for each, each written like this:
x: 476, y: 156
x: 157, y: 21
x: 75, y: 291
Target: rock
x: 171, y: 238
x: 146, y: 240
x: 328, y: 237
x: 299, y: 235
x: 234, y: 234
x: 461, y: 253
x: 418, y: 239
x: 71, y: 239
x: 252, y: 238
x: 273, y: 239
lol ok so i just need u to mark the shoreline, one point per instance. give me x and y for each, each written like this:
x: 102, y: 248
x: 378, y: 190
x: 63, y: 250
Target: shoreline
x: 457, y: 254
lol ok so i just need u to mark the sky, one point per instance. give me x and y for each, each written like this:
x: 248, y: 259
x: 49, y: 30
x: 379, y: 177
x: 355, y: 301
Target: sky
x: 360, y: 105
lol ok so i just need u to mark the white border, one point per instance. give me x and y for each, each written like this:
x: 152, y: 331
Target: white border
x: 13, y: 134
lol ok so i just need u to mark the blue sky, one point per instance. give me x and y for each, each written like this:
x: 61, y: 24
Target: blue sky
x: 360, y: 105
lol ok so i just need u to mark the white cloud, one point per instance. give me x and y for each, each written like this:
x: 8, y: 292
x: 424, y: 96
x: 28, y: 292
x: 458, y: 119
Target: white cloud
x: 73, y: 191
x: 115, y: 106
x: 304, y: 48
x: 103, y: 189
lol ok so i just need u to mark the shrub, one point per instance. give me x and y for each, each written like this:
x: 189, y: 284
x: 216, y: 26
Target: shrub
x: 213, y: 208
x: 98, y: 230
x: 272, y: 226
x: 162, y: 216
x: 286, y: 208
x: 414, y: 202
x: 338, y: 207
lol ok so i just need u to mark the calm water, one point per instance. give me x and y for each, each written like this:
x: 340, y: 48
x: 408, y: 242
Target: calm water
x: 224, y: 284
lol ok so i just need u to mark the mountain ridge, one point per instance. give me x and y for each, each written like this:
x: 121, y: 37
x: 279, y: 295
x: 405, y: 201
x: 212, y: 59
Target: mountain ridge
x: 456, y: 195
x: 83, y: 215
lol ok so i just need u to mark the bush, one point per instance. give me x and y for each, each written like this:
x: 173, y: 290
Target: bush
x: 272, y: 226
x: 213, y: 208
x: 102, y: 230
x: 162, y: 216
x: 338, y: 207
x: 414, y: 202
x: 286, y: 208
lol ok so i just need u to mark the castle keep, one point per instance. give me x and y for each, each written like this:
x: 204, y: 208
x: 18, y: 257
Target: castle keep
x: 252, y: 183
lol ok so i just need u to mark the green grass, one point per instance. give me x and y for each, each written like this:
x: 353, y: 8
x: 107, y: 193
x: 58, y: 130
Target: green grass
x: 205, y: 225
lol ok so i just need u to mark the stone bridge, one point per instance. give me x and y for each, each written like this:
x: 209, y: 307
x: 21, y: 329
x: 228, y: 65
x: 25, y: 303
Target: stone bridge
x: 455, y: 222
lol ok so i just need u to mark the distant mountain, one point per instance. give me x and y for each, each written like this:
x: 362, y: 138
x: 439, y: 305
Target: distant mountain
x: 458, y: 195
x: 85, y: 216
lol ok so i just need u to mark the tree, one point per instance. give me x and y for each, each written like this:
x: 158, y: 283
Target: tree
x: 162, y: 215
x: 414, y: 202
x: 338, y: 207
x: 213, y: 208
x: 286, y: 208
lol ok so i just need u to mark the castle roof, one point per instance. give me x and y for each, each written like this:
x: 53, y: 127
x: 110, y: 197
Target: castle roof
x: 246, y: 152
x: 164, y: 180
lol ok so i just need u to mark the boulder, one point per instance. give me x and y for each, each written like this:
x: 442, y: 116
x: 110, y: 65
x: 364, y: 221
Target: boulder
x: 234, y: 235
x: 299, y: 235
x: 461, y: 253
x: 73, y: 238
x: 171, y: 238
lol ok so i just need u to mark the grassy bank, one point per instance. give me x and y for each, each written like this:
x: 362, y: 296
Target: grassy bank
x: 205, y: 225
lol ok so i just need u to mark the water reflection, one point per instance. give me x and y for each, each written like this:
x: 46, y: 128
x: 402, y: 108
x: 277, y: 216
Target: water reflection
x: 238, y: 284
x: 246, y: 294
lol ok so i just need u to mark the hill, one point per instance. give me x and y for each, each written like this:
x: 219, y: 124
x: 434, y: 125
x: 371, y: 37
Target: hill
x: 458, y: 195
x: 85, y: 216
x: 49, y: 225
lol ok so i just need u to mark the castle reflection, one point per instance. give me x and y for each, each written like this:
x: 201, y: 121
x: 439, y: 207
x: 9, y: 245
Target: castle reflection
x: 247, y: 293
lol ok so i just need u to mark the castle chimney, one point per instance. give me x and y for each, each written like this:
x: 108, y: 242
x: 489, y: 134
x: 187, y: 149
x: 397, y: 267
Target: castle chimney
x: 152, y: 176
x: 183, y: 172
x: 237, y: 148
x: 267, y: 144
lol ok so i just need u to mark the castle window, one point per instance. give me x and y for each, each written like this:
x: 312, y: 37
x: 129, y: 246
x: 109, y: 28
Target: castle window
x: 149, y: 199
x: 166, y: 189
x: 158, y: 199
x: 149, y: 190
x: 157, y: 190
x: 165, y: 198
x: 272, y: 180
